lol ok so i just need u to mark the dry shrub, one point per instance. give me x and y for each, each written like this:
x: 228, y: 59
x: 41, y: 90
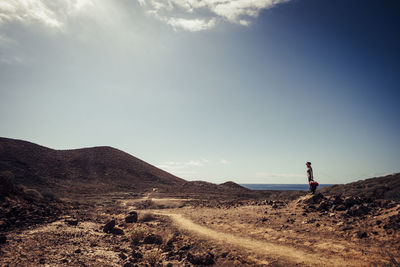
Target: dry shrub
x: 137, y: 235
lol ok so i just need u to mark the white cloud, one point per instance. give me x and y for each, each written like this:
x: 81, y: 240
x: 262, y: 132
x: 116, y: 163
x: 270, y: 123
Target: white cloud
x: 182, y: 168
x: 224, y: 161
x: 192, y: 25
x: 51, y: 13
x: 197, y: 15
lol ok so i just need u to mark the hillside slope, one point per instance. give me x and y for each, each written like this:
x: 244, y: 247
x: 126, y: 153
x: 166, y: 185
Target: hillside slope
x: 386, y: 187
x: 87, y: 170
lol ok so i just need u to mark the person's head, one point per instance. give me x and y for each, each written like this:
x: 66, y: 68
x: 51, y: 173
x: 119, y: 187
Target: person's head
x: 308, y: 164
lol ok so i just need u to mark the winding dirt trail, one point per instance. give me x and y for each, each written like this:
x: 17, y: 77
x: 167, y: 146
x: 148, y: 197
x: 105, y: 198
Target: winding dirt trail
x: 263, y: 248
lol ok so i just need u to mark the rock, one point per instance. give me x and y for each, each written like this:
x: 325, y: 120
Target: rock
x: 337, y: 200
x: 3, y: 239
x: 357, y: 210
x: 201, y: 258
x: 332, y: 214
x: 132, y: 218
x: 72, y: 222
x: 117, y: 231
x: 315, y: 199
x: 324, y: 206
x: 350, y: 201
x: 153, y: 239
x: 109, y: 226
x: 394, y: 222
x: 339, y: 207
x: 137, y: 255
x: 361, y: 234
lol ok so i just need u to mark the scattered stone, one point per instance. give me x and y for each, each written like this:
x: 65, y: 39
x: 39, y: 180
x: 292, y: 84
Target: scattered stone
x: 78, y: 250
x: 201, y: 258
x: 64, y: 260
x: 109, y: 226
x: 394, y: 222
x: 153, y: 239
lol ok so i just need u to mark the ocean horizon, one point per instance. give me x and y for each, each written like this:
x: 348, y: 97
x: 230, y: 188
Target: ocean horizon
x: 294, y: 187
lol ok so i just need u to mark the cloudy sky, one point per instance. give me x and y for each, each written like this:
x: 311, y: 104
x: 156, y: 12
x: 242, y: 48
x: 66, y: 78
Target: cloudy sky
x: 215, y: 90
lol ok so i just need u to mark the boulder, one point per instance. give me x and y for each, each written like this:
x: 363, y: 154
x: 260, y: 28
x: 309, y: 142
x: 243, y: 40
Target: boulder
x: 117, y: 231
x: 201, y: 258
x: 358, y: 210
x: 153, y: 239
x: 132, y: 218
x: 109, y: 226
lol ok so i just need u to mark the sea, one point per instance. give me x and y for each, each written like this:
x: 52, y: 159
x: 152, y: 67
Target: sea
x: 297, y: 187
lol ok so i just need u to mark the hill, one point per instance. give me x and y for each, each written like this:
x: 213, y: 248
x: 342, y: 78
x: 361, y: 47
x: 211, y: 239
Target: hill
x: 386, y: 187
x: 86, y: 170
x: 93, y: 170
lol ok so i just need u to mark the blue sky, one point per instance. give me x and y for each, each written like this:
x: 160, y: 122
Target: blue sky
x: 209, y: 90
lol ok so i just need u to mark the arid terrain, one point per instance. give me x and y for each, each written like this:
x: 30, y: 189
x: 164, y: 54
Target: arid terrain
x: 188, y: 223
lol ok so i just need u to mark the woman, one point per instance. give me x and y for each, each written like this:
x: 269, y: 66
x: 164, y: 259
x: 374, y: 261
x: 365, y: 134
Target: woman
x: 310, y: 175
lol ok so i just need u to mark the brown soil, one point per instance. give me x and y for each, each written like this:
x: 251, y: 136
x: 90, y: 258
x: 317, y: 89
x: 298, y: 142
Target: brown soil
x: 180, y: 232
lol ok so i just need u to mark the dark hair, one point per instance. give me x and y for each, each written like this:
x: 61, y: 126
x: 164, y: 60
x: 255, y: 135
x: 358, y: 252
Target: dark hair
x: 309, y: 163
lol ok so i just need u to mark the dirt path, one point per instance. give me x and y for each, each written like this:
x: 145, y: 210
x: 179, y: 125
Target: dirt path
x: 271, y: 250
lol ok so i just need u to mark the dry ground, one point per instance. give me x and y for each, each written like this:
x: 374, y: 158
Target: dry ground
x: 187, y: 233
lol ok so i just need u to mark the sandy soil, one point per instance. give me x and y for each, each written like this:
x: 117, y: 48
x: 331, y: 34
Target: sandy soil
x: 175, y: 232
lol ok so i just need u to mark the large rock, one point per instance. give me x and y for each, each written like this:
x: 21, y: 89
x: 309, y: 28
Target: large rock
x: 201, y: 258
x: 109, y: 226
x: 132, y: 218
x: 358, y: 210
x: 153, y: 239
x: 117, y: 231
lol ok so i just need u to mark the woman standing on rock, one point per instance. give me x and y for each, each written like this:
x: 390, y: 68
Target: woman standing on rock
x: 310, y: 175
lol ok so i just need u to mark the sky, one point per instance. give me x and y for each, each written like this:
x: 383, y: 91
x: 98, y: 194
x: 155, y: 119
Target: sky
x: 213, y: 90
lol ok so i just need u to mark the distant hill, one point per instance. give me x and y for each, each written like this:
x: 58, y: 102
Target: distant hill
x: 86, y: 170
x: 386, y: 187
x: 93, y: 170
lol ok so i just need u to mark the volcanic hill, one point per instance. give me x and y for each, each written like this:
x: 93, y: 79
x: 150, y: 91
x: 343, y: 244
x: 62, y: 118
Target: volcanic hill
x: 90, y: 170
